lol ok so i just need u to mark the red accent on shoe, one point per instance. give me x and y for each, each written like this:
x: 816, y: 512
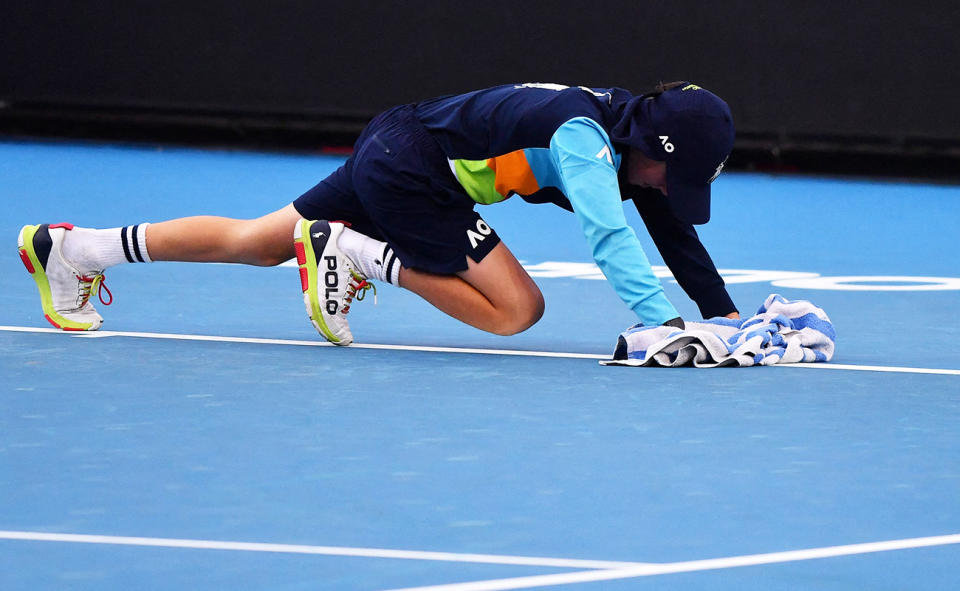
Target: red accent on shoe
x: 50, y: 320
x: 304, y: 279
x: 26, y: 261
x: 103, y: 286
x: 344, y: 222
x: 63, y: 225
x: 301, y: 255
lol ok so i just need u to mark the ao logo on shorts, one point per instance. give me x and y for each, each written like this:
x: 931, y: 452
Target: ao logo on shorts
x: 483, y: 230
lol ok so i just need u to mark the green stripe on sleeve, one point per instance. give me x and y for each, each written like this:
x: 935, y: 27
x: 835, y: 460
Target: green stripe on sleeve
x: 478, y: 180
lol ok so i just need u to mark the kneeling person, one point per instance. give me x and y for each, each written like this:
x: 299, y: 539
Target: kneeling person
x: 404, y: 205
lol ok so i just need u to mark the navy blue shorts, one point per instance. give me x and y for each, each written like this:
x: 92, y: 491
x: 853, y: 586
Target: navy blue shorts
x: 398, y: 187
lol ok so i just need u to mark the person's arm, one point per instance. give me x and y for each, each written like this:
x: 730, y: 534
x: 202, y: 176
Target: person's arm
x: 685, y: 255
x: 584, y: 157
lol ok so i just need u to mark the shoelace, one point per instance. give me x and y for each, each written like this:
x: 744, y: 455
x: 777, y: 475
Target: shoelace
x: 91, y: 285
x: 357, y: 288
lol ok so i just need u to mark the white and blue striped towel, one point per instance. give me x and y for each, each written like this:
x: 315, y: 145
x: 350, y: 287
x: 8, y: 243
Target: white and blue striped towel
x: 782, y: 331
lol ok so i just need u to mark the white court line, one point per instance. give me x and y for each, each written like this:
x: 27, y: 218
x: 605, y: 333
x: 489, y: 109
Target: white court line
x: 316, y: 550
x: 882, y: 368
x: 508, y: 352
x: 259, y: 341
x: 604, y: 570
x: 646, y: 570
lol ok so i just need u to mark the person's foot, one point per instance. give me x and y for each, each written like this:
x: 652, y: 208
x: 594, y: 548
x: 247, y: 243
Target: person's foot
x: 64, y: 289
x: 330, y: 280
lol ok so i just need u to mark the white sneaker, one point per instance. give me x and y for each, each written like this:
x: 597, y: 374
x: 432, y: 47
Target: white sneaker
x: 64, y: 289
x: 330, y: 280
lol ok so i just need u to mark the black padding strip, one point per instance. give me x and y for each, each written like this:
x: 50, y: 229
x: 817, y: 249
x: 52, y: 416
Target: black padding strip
x: 126, y: 245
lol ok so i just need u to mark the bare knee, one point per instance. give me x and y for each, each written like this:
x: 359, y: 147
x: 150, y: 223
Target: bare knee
x: 521, y: 316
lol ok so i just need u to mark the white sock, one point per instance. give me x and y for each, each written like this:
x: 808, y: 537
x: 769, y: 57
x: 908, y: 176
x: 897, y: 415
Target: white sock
x: 376, y: 259
x: 98, y: 249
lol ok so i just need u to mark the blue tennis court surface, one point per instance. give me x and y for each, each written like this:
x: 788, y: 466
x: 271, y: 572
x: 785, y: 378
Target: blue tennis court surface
x: 207, y: 439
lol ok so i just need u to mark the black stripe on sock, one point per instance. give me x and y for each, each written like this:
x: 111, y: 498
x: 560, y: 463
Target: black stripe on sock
x: 126, y: 245
x: 390, y: 264
x: 136, y: 245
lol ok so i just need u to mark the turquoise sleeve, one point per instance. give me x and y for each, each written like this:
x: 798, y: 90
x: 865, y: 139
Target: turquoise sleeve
x: 584, y: 158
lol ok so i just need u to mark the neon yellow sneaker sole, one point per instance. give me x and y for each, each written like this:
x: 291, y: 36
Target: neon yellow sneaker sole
x: 34, y: 245
x: 307, y: 262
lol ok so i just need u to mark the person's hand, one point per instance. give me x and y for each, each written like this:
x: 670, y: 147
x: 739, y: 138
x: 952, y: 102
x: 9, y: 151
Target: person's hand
x: 675, y: 323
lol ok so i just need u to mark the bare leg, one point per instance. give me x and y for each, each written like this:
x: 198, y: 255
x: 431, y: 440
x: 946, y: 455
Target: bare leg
x: 265, y: 241
x: 496, y: 295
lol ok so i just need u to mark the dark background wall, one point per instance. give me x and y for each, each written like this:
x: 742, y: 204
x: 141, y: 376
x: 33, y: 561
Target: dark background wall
x: 853, y: 76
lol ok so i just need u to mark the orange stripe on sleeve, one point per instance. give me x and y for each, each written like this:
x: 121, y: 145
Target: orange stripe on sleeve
x: 513, y: 174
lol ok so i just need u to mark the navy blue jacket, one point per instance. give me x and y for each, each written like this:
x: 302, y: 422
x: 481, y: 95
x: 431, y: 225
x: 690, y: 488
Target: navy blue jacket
x: 549, y: 143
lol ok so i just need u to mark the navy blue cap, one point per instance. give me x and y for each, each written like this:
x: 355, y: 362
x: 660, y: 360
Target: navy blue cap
x: 692, y: 130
